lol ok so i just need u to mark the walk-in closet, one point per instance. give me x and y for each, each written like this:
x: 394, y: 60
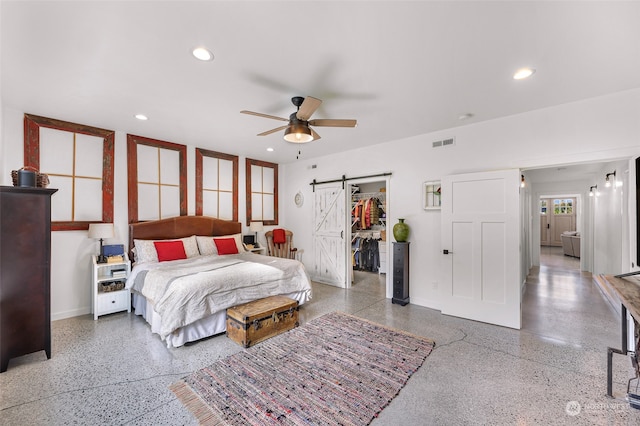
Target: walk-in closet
x: 368, y: 231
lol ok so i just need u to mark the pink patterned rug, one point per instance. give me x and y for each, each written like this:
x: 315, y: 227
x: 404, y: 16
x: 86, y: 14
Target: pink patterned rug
x: 335, y: 370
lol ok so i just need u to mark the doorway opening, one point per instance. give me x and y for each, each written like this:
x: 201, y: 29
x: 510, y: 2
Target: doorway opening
x: 561, y: 225
x: 367, y: 236
x: 560, y: 235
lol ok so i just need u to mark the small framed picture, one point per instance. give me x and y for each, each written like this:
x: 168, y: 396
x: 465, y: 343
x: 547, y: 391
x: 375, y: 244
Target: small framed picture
x: 431, y: 195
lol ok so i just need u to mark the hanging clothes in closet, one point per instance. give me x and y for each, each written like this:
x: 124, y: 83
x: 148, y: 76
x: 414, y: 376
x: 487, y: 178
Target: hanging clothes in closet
x: 365, y: 254
x: 366, y: 212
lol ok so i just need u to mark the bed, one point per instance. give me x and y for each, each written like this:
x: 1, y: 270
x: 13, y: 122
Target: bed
x: 186, y: 273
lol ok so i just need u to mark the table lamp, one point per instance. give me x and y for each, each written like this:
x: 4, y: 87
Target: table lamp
x: 256, y: 227
x: 101, y: 231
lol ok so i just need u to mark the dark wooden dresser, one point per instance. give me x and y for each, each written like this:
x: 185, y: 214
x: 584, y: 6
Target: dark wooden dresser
x: 25, y: 264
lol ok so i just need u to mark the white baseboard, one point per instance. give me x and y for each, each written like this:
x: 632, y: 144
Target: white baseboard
x: 426, y: 303
x: 70, y: 314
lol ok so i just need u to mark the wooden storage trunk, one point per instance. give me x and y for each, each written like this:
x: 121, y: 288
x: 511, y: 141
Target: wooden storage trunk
x: 256, y: 321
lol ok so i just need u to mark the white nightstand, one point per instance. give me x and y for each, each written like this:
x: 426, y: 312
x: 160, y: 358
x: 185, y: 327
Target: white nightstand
x: 258, y: 250
x: 106, y: 277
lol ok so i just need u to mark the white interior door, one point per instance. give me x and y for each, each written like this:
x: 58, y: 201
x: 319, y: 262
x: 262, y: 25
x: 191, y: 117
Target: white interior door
x: 329, y: 236
x: 480, y: 231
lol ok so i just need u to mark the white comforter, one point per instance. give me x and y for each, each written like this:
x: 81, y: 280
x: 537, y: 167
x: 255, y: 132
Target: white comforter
x: 184, y: 291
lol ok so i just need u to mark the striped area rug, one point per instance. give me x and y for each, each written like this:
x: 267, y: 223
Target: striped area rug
x: 334, y: 370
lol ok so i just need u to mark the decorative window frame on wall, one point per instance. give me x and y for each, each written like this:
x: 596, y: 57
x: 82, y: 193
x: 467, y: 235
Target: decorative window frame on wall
x: 133, y: 142
x: 219, y: 188
x: 262, y: 193
x: 32, y: 150
x: 431, y: 195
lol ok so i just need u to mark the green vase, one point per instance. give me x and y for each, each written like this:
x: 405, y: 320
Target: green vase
x: 401, y: 231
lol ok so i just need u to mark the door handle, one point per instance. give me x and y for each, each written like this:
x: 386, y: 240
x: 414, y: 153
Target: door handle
x: 548, y: 225
x: 447, y: 252
x: 342, y: 234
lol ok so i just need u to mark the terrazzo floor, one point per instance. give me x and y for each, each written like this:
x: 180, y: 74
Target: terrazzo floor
x: 553, y: 371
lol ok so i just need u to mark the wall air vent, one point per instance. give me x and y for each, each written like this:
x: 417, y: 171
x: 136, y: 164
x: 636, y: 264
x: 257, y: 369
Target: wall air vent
x: 444, y: 142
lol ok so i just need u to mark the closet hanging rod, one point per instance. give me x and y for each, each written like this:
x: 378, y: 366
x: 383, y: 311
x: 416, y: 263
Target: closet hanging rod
x: 344, y: 179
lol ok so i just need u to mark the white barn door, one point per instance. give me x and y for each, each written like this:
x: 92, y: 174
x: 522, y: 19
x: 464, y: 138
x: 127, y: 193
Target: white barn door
x: 329, y: 235
x: 480, y: 230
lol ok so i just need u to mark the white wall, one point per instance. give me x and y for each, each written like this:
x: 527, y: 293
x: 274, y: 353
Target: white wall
x: 593, y: 130
x: 611, y: 235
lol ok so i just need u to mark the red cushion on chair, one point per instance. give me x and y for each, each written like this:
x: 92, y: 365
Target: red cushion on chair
x: 226, y: 245
x: 279, y: 237
x: 170, y: 250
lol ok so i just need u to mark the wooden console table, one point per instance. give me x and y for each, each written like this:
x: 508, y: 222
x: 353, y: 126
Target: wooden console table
x: 627, y: 289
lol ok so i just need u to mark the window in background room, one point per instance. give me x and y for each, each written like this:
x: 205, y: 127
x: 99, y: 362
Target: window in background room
x: 216, y: 184
x: 563, y: 206
x: 543, y: 206
x: 79, y: 162
x: 262, y: 192
x: 157, y: 173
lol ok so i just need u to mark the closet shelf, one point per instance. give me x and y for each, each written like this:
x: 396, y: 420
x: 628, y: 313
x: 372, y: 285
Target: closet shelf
x: 363, y: 195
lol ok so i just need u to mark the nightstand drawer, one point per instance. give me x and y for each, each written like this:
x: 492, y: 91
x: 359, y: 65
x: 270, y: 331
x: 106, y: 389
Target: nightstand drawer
x: 113, y: 302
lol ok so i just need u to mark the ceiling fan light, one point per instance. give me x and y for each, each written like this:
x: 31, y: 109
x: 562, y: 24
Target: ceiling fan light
x: 298, y: 133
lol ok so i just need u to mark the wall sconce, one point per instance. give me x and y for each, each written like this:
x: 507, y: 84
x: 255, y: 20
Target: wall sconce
x: 522, y: 182
x: 607, y: 180
x: 592, y: 192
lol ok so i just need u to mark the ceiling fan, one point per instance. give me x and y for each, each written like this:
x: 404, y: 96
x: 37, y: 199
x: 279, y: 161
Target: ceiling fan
x: 298, y: 130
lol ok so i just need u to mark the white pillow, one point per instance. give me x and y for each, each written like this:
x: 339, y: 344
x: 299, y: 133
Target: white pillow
x: 190, y: 246
x: 145, y: 250
x: 207, y: 247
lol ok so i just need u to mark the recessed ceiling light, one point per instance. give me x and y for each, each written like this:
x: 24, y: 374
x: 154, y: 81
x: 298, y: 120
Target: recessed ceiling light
x: 202, y: 53
x: 523, y: 73
x: 270, y: 149
x: 465, y: 116
x: 141, y: 117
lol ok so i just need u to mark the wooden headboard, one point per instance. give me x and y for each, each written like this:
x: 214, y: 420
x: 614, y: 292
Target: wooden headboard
x: 180, y: 227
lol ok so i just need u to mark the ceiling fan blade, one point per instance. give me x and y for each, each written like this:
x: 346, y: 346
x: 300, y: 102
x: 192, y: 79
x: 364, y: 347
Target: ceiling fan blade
x: 333, y: 123
x: 314, y: 134
x: 268, y: 132
x: 308, y: 107
x: 259, y: 114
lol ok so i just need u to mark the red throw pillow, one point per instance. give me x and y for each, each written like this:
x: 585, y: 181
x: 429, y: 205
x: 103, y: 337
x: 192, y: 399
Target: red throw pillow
x: 170, y: 250
x: 226, y: 245
x: 279, y: 236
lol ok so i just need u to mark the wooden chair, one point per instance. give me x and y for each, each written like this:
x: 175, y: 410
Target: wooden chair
x: 285, y: 250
